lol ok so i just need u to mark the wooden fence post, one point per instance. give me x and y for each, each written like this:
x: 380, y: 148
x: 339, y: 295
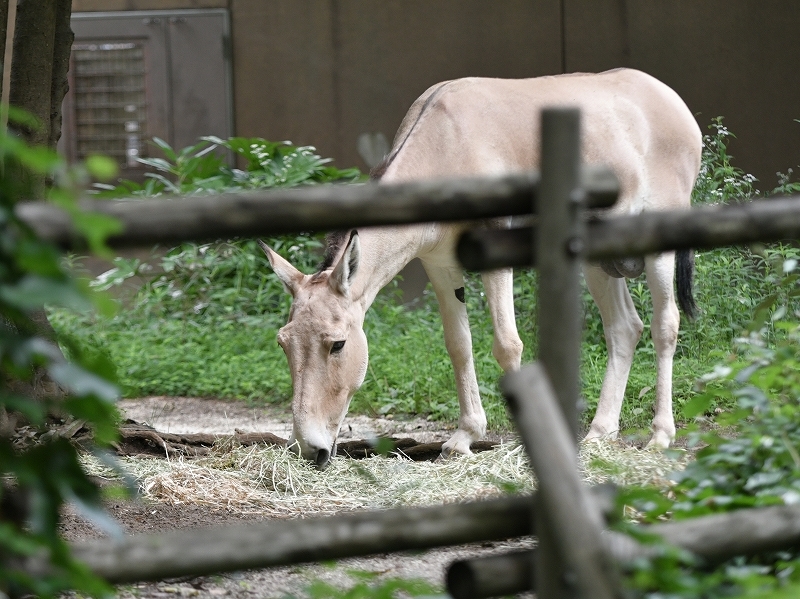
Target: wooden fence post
x: 574, y: 520
x: 559, y: 309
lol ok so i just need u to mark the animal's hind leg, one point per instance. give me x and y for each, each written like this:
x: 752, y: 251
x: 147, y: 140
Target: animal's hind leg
x: 660, y: 271
x: 448, y: 283
x: 622, y: 328
x: 507, y: 346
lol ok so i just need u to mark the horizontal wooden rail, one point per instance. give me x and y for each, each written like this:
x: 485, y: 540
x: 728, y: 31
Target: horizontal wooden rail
x: 200, y: 551
x: 313, y: 208
x: 210, y: 550
x: 714, y: 539
x: 702, y: 227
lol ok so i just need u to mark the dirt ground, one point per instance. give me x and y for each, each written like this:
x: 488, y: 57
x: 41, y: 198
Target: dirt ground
x: 189, y: 415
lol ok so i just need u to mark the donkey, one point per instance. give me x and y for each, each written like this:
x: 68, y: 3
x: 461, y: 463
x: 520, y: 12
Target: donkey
x: 633, y: 123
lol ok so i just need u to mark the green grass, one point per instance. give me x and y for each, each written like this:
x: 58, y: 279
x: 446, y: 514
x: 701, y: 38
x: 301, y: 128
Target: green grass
x: 229, y: 350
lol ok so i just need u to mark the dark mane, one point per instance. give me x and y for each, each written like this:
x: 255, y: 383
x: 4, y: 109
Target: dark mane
x: 379, y: 169
x: 334, y: 242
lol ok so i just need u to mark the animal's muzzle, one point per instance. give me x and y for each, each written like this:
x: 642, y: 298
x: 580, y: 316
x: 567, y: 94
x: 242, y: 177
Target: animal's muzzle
x: 323, y: 457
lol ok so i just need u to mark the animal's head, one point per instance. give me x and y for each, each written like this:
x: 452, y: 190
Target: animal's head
x: 325, y: 345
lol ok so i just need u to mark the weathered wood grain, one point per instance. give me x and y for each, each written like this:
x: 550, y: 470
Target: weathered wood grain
x: 313, y: 208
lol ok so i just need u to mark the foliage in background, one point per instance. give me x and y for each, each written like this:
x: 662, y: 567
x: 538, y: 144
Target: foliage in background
x: 203, y: 168
x: 748, y: 458
x: 37, y: 479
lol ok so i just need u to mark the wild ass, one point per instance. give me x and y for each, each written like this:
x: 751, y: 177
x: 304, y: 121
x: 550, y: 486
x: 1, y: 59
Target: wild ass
x: 631, y: 122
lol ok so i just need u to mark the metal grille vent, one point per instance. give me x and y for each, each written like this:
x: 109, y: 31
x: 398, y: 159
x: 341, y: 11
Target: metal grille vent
x: 110, y: 103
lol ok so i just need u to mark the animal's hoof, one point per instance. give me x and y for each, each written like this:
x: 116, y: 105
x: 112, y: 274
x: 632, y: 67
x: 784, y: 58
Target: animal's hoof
x: 597, y: 436
x: 660, y: 440
x: 458, y: 444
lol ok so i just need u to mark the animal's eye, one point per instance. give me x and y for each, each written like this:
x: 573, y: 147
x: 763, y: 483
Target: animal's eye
x: 337, y: 347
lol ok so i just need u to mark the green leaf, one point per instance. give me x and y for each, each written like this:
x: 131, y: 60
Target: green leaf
x: 82, y: 382
x: 34, y: 291
x: 101, y: 167
x: 39, y: 159
x: 34, y: 411
x: 697, y: 405
x: 97, y: 228
x: 22, y: 117
x: 166, y: 148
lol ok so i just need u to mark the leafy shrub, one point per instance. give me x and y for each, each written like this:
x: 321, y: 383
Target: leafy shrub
x: 746, y: 423
x: 40, y: 477
x: 202, y: 168
x: 719, y: 181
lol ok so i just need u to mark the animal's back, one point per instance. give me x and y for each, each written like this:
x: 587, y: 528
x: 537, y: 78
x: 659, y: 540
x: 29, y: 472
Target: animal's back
x: 480, y: 126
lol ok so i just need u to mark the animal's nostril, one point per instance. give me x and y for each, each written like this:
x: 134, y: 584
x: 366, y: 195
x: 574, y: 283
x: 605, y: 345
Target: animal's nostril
x: 322, y: 459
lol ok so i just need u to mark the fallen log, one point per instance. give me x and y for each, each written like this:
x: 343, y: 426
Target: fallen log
x: 492, y: 576
x: 140, y: 440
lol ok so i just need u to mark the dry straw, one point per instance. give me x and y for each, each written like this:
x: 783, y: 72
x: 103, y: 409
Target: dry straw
x: 273, y: 481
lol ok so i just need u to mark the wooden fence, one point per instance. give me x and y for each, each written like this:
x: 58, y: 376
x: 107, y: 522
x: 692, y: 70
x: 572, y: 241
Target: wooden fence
x: 574, y: 557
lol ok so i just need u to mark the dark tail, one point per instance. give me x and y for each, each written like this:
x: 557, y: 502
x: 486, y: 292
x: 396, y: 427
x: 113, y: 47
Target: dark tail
x: 684, y: 276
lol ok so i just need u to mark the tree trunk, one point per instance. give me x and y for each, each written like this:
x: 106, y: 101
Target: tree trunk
x: 32, y: 64
x: 3, y: 32
x: 62, y: 48
x: 41, y: 50
x: 32, y: 76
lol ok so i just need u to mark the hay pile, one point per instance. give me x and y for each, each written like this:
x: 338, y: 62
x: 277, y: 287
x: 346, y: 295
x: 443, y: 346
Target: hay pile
x: 273, y: 481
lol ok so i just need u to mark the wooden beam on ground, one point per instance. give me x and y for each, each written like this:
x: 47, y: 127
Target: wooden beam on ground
x: 500, y: 575
x: 702, y: 227
x: 312, y: 208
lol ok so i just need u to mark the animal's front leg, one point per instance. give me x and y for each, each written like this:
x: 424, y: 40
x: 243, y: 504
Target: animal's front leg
x: 448, y: 283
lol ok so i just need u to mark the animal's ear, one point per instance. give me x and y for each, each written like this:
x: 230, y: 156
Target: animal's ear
x: 345, y: 271
x: 288, y: 274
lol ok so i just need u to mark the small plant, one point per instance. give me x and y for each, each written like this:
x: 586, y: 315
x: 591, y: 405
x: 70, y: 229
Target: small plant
x: 202, y: 168
x: 369, y: 586
x: 719, y: 181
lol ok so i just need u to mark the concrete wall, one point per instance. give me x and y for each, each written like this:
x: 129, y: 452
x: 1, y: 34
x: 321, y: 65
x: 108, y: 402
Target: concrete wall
x: 321, y: 72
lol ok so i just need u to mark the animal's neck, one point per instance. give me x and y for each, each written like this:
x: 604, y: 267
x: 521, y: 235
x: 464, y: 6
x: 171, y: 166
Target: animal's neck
x: 384, y: 252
